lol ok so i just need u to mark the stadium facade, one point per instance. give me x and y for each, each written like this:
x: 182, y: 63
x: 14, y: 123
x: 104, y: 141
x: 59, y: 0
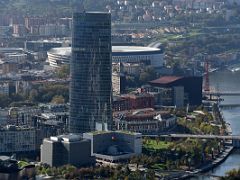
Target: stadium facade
x: 125, y: 54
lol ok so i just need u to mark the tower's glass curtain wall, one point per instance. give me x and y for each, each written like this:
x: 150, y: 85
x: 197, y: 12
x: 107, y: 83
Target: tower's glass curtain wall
x: 91, y: 68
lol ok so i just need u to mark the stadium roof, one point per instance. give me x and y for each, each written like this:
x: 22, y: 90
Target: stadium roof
x: 133, y: 49
x: 117, y: 50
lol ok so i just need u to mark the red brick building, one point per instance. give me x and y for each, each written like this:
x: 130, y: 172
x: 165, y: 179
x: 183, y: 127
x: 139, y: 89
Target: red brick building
x: 133, y: 101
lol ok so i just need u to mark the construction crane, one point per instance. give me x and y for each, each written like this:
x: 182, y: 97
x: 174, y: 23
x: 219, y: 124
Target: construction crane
x: 206, y: 86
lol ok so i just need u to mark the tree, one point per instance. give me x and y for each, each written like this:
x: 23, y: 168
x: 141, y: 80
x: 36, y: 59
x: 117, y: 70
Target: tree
x: 150, y: 174
x: 45, y: 93
x: 95, y: 4
x: 48, y: 171
x: 63, y: 72
x: 4, y: 100
x: 17, y: 97
x: 144, y: 77
x: 33, y: 96
x: 136, y: 175
x: 147, y: 74
x: 168, y: 164
x: 131, y: 81
x: 127, y: 171
x: 232, y: 175
x: 58, y: 99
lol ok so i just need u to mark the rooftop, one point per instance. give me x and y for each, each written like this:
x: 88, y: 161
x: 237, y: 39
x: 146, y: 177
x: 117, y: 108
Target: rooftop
x: 133, y: 49
x: 15, y: 128
x: 5, y: 158
x: 166, y: 79
x: 134, y: 94
x: 66, y: 138
x: 142, y: 113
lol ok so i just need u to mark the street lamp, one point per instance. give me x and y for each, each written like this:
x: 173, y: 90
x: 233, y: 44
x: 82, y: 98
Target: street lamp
x: 212, y: 152
x: 189, y: 162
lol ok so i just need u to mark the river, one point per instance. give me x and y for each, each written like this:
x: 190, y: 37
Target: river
x: 227, y: 81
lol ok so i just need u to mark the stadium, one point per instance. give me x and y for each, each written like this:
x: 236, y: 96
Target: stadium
x: 125, y: 54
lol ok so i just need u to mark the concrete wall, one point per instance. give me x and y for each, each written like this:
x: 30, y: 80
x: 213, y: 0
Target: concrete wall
x: 61, y: 153
x: 179, y: 96
x: 126, y: 142
x: 80, y: 153
x: 46, y: 153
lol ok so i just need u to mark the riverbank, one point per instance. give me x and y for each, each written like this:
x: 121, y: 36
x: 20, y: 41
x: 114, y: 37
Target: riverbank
x: 221, y: 157
x: 207, y: 167
x: 225, y: 80
x: 209, y: 153
x: 234, y: 67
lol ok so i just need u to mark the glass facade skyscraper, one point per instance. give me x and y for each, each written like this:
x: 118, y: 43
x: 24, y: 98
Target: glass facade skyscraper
x: 91, y: 73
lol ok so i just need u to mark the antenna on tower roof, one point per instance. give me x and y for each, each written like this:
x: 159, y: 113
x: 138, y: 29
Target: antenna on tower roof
x: 82, y: 8
x: 78, y: 6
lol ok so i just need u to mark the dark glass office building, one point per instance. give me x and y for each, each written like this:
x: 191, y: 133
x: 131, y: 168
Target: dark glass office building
x: 91, y: 72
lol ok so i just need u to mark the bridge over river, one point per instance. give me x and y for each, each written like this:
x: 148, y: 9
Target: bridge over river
x: 229, y: 106
x: 221, y: 93
x: 215, y: 96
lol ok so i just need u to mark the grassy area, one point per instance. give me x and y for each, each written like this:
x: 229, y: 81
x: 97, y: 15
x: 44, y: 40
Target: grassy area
x: 155, y: 144
x: 178, y: 37
x: 159, y: 166
x: 22, y: 164
x: 99, y: 132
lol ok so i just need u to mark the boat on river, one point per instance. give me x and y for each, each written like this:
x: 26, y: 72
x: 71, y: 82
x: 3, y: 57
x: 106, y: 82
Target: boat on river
x: 234, y: 68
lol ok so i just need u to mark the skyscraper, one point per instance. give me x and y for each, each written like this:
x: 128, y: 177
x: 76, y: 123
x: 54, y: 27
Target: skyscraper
x: 91, y: 70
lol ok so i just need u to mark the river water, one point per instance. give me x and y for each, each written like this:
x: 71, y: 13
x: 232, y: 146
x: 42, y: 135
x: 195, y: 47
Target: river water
x: 227, y: 81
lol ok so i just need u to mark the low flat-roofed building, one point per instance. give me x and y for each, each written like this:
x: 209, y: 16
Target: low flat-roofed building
x: 132, y: 68
x: 9, y: 67
x: 114, y: 145
x: 22, y: 116
x: 66, y: 149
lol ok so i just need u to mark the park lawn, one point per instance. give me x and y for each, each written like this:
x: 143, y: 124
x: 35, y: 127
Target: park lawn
x: 159, y: 166
x: 156, y: 145
x: 21, y: 164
